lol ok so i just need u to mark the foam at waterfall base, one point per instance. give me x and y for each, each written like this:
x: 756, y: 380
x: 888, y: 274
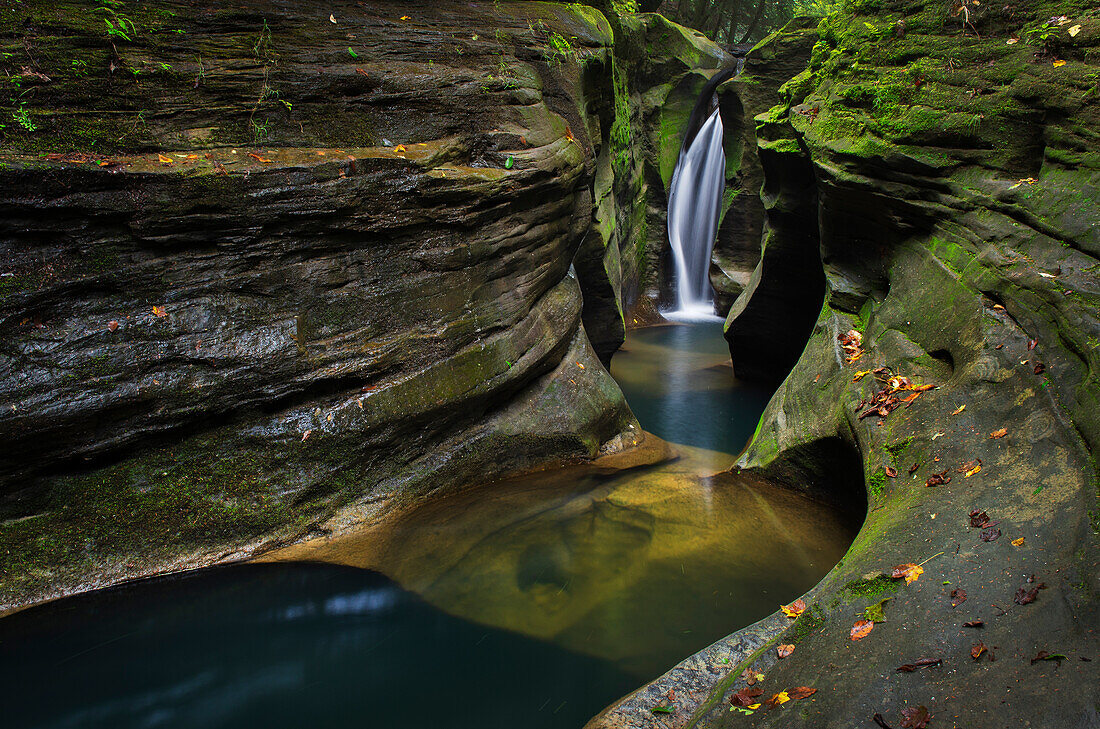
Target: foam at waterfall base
x: 703, y: 311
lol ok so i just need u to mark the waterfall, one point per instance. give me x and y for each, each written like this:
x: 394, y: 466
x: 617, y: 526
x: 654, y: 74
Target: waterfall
x: 694, y: 205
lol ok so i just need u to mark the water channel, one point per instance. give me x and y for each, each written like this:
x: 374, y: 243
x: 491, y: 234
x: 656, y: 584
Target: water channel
x: 530, y: 602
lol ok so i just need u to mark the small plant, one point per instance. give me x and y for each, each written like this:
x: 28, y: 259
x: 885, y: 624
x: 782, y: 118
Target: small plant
x: 23, y: 118
x: 560, y: 48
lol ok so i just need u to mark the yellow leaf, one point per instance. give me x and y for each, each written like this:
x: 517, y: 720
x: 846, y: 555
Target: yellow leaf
x: 1018, y: 542
x: 795, y: 609
x: 164, y: 159
x: 958, y: 410
x: 754, y: 706
x: 159, y: 311
x: 1059, y: 63
x: 404, y: 17
x: 399, y: 148
x: 1075, y: 30
x: 909, y: 571
x: 972, y: 471
x: 860, y: 375
x: 1012, y: 41
x: 780, y: 698
x: 332, y: 18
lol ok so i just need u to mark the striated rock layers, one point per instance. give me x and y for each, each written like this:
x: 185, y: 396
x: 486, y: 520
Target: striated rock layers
x: 935, y: 177
x: 270, y: 269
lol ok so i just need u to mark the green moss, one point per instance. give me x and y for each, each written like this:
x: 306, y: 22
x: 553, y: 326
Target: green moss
x: 805, y: 624
x: 877, y: 483
x: 896, y: 449
x: 880, y: 585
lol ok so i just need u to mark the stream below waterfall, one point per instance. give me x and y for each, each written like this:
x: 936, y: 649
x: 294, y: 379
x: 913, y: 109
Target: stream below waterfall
x: 531, y: 602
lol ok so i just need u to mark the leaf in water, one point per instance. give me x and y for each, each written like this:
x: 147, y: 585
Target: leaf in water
x: 973, y: 624
x: 305, y: 435
x: 975, y: 469
x: 909, y: 571
x: 784, y: 650
x: 801, y: 692
x: 861, y: 629
x: 958, y: 597
x: 999, y: 433
x: 915, y: 717
x: 860, y: 375
x: 874, y: 612
x: 795, y: 609
x: 331, y: 18
x: 977, y: 651
x: 922, y: 663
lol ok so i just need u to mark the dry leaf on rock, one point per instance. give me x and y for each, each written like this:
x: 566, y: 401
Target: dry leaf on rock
x: 915, y: 717
x: 795, y: 609
x: 784, y: 650
x: 909, y: 571
x: 861, y: 629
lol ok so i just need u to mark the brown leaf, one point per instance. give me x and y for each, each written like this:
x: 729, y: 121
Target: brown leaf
x: 973, y: 624
x: 801, y: 692
x: 112, y: 325
x: 891, y: 472
x: 306, y: 435
x: 1025, y: 596
x: 784, y: 650
x: 958, y: 410
x: 861, y: 629
x: 978, y: 519
x: 999, y: 433
x: 989, y: 534
x: 958, y: 597
x: 159, y: 312
x: 751, y: 677
x: 1031, y: 344
x: 922, y: 388
x: 915, y: 717
x: 1018, y: 542
x: 938, y: 479
x: 746, y: 696
x: 922, y: 663
x: 1040, y: 368
x: 977, y: 651
x: 1047, y: 656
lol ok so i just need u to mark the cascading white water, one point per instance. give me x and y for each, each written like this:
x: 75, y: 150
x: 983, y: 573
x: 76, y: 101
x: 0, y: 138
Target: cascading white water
x: 694, y: 205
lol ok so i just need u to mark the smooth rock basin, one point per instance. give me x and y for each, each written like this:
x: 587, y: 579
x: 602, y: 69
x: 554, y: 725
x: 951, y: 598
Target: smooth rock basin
x: 533, y: 601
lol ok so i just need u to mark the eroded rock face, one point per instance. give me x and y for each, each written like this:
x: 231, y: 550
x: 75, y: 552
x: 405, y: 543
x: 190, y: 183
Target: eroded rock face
x: 303, y: 269
x: 955, y: 178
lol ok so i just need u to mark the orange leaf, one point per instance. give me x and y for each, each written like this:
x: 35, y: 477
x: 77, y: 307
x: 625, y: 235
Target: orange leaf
x: 399, y: 148
x: 1018, y: 542
x: 958, y: 410
x: 973, y: 470
x: 112, y: 325
x: 1059, y: 63
x: 922, y: 388
x: 801, y: 692
x: 795, y: 609
x: 909, y: 571
x: 977, y: 650
x: 999, y: 433
x: 165, y: 160
x: 306, y: 435
x: 159, y: 311
x: 258, y: 158
x: 780, y: 698
x: 861, y: 629
x: 784, y: 650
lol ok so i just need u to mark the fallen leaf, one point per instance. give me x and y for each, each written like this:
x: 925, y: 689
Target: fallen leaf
x: 1045, y: 656
x: 1031, y: 343
x: 1074, y: 31
x: 922, y: 663
x: 404, y: 17
x: 399, y: 149
x: 662, y: 709
x: 1040, y: 368
x: 1012, y: 41
x: 922, y: 388
x: 909, y: 571
x: 1025, y: 596
x: 861, y: 629
x: 908, y: 399
x: 938, y: 479
x: 999, y: 433
x: 1059, y: 63
x: 938, y: 435
x: 801, y: 692
x: 958, y: 597
x: 780, y: 698
x: 915, y: 717
x: 332, y: 18
x: 159, y: 312
x: 958, y: 410
x: 745, y: 696
x: 977, y: 467
x: 891, y: 472
x: 860, y: 375
x: 1018, y: 542
x: 306, y: 435
x: 165, y: 160
x: 913, y: 468
x: 795, y: 609
x: 877, y: 718
x: 977, y: 651
x: 258, y: 158
x: 973, y: 624
x: 989, y: 534
x: 112, y: 325
x: 978, y: 518
x: 874, y: 613
x: 750, y: 676
x: 784, y: 650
